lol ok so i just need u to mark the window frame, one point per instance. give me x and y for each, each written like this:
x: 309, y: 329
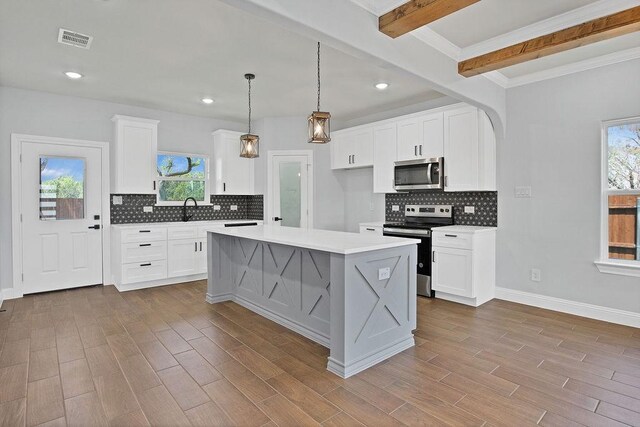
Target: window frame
x: 604, y: 263
x: 207, y: 179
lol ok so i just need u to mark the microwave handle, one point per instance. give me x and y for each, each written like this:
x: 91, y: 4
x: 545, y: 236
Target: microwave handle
x: 429, y: 166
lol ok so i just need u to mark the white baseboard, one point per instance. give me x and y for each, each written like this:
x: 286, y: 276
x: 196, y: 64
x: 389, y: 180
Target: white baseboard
x: 9, y: 293
x: 613, y: 315
x: 160, y: 282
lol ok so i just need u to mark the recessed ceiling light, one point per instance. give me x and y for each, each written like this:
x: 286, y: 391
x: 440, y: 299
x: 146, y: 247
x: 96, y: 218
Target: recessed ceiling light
x: 73, y: 75
x: 207, y: 100
x: 382, y: 86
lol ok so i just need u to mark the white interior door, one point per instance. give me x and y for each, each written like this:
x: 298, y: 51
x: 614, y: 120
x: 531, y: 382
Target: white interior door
x: 290, y: 190
x: 61, y: 204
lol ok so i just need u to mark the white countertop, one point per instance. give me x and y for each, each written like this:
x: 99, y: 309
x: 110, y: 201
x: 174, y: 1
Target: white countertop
x: 218, y: 223
x: 339, y: 242
x: 372, y: 224
x: 463, y: 229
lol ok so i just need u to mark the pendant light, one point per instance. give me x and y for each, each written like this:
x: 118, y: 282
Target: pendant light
x: 319, y: 125
x: 248, y: 142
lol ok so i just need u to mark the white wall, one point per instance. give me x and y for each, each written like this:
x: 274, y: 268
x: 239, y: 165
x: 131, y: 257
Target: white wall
x: 290, y: 133
x: 361, y: 204
x: 553, y: 145
x: 39, y: 113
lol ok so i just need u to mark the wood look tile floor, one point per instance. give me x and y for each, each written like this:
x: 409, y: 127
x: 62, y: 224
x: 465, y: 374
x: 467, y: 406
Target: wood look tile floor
x: 163, y: 356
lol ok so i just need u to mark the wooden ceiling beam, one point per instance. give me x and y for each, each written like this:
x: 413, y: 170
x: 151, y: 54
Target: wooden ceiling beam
x: 614, y: 25
x: 416, y: 13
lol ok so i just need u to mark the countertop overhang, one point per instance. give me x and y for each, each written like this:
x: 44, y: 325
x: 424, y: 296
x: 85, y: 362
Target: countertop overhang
x: 338, y: 242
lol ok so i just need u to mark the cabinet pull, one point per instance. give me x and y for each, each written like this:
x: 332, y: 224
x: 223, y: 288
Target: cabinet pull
x: 371, y: 229
x: 196, y: 246
x: 415, y: 150
x: 154, y: 186
x: 433, y: 256
x: 145, y: 244
x: 451, y: 235
x: 421, y: 149
x: 144, y: 231
x: 200, y: 246
x: 145, y: 265
x: 354, y: 158
x: 446, y: 180
x: 224, y: 186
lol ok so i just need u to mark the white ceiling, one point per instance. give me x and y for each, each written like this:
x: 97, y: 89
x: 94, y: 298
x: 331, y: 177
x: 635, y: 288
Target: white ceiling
x: 168, y: 54
x: 492, y: 24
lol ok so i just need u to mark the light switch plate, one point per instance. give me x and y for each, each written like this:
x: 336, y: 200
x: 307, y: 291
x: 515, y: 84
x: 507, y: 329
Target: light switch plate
x: 395, y: 208
x: 469, y: 209
x: 523, y: 192
x: 147, y: 209
x: 216, y: 207
x: 384, y: 273
x: 117, y: 200
x: 234, y: 207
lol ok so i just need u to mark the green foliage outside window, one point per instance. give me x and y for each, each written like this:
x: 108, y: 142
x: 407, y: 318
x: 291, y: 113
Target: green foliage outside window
x: 181, y: 177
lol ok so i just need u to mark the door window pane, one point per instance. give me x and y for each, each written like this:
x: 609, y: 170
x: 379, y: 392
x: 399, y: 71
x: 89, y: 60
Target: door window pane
x: 62, y: 188
x: 290, y: 194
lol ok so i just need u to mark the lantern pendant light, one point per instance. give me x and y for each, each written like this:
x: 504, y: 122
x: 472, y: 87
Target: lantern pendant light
x: 248, y: 142
x: 319, y: 121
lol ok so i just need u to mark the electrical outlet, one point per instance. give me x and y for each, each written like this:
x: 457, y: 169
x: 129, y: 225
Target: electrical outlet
x: 147, y: 209
x: 536, y: 275
x: 117, y: 200
x: 384, y: 273
x: 469, y: 209
x: 371, y: 206
x: 523, y: 192
x: 216, y: 207
x: 234, y: 207
x: 395, y: 208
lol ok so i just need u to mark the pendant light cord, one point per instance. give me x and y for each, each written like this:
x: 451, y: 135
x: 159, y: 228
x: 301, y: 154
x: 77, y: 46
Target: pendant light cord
x: 318, y: 77
x: 249, y: 80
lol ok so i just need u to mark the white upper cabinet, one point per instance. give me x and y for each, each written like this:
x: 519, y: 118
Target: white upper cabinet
x: 232, y: 174
x: 461, y: 149
x: 384, y: 156
x: 135, y: 150
x: 352, y: 148
x: 420, y: 137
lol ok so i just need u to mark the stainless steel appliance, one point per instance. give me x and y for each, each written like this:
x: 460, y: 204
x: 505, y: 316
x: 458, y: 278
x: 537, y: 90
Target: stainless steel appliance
x: 418, y: 222
x: 419, y: 175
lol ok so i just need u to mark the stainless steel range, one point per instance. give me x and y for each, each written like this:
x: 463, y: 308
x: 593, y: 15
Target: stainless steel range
x: 418, y: 222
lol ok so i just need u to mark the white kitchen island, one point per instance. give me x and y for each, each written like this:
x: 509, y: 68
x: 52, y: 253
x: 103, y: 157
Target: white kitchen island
x: 352, y: 293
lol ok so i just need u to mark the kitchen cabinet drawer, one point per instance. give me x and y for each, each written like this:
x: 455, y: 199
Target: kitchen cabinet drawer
x: 144, y: 234
x: 183, y: 232
x: 371, y: 230
x: 143, y: 252
x: 448, y: 239
x: 144, y: 271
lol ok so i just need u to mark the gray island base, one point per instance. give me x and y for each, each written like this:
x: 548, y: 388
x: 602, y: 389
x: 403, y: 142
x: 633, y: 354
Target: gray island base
x: 354, y: 294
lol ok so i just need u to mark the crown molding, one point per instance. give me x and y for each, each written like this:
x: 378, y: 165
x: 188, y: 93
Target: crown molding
x: 559, y: 22
x: 575, y: 67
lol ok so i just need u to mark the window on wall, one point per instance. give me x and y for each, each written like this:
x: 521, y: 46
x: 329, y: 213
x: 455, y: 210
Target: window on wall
x: 621, y: 196
x: 181, y: 176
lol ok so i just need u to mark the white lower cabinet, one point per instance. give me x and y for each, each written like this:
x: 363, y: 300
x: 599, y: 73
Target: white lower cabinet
x: 463, y: 264
x: 184, y: 257
x: 152, y: 255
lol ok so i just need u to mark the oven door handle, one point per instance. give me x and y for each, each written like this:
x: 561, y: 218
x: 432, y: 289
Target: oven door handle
x: 409, y: 233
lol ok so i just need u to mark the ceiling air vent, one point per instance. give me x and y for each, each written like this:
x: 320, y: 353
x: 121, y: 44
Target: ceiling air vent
x: 74, y: 39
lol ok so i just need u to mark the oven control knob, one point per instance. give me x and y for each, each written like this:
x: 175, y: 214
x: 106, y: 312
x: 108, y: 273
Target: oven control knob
x: 446, y: 210
x: 441, y: 210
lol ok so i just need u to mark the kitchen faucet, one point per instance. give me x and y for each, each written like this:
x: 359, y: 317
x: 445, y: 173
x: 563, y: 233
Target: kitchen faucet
x: 186, y: 217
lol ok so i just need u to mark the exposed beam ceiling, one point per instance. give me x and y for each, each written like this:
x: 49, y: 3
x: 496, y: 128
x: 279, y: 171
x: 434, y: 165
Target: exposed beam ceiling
x: 416, y: 13
x: 617, y: 24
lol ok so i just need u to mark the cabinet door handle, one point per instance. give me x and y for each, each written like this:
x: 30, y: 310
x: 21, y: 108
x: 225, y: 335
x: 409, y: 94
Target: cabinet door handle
x: 349, y: 158
x: 200, y: 246
x: 421, y: 149
x: 144, y: 244
x: 451, y: 235
x: 446, y: 181
x: 354, y: 158
x: 415, y: 150
x: 371, y: 229
x: 144, y: 231
x: 145, y: 265
x: 224, y: 186
x: 433, y: 256
x: 154, y: 186
x: 196, y: 246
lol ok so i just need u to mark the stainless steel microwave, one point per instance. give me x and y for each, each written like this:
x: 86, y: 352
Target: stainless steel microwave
x: 419, y: 175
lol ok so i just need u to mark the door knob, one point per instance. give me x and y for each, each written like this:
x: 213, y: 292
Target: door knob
x: 96, y: 227
x: 277, y: 218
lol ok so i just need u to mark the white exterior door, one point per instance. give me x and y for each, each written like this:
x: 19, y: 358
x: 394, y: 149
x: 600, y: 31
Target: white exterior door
x: 61, y: 204
x: 290, y: 194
